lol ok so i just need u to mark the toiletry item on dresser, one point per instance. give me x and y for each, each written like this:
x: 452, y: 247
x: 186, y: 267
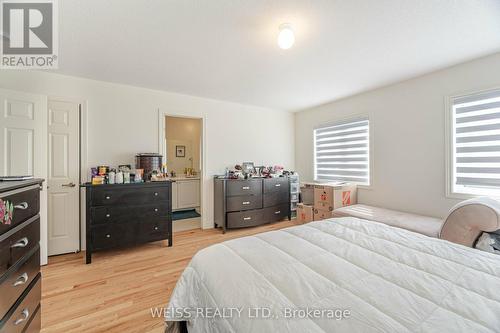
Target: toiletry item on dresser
x: 98, y: 180
x: 126, y: 177
x: 102, y: 170
x: 111, y: 177
x: 138, y: 175
x: 119, y: 177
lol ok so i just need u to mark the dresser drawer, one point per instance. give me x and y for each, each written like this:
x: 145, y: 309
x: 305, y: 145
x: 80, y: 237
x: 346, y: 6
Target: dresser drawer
x: 244, y: 187
x: 153, y: 231
x: 18, y: 317
x: 16, y: 244
x: 112, y: 235
x: 127, y: 214
x: 129, y: 195
x: 246, y: 202
x: 17, y: 280
x: 276, y: 213
x: 276, y: 198
x: 25, y: 204
x: 35, y: 325
x: 245, y: 219
x: 276, y: 185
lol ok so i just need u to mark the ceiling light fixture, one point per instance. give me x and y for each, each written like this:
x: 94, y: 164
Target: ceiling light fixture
x: 286, y: 38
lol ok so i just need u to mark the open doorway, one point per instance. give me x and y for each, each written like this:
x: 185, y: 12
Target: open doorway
x: 183, y: 152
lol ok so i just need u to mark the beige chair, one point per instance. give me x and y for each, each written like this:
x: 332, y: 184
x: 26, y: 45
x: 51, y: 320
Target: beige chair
x: 468, y: 219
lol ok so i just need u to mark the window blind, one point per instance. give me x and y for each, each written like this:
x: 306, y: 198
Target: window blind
x: 476, y: 139
x: 341, y: 152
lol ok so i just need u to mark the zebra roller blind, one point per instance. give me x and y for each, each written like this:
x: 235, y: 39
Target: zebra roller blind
x: 341, y: 152
x: 476, y: 141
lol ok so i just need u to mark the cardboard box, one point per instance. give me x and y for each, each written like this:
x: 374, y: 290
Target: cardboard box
x: 328, y: 197
x: 307, y: 193
x: 304, y: 213
x: 321, y: 214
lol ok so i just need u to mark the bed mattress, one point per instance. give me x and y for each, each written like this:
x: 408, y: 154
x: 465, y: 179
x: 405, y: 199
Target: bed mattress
x: 338, y: 275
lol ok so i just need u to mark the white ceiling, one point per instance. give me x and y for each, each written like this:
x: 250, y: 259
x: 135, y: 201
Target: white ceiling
x: 226, y: 49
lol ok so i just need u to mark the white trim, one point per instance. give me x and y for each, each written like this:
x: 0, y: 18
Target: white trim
x: 449, y: 154
x: 340, y: 121
x: 206, y: 222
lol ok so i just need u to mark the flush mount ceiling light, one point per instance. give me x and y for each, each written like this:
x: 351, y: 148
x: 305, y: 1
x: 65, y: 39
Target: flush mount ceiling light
x: 286, y: 38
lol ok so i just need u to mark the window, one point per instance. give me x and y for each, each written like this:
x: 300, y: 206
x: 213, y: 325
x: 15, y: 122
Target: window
x: 476, y: 143
x: 341, y: 152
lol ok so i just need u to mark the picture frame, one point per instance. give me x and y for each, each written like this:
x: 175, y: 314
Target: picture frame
x: 180, y: 151
x: 248, y: 167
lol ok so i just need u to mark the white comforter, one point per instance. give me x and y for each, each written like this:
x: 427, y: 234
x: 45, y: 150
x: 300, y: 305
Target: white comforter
x: 388, y: 279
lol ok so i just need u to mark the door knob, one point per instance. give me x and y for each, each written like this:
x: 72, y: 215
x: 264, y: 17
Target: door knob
x: 71, y: 184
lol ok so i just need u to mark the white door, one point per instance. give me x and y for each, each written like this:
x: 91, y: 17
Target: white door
x: 188, y: 194
x: 23, y: 144
x: 63, y: 177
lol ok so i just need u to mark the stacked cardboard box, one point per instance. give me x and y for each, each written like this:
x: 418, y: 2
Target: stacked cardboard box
x: 307, y: 193
x: 328, y: 197
x: 319, y: 200
x: 304, y: 213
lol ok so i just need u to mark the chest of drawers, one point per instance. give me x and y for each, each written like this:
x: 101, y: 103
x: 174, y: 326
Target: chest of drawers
x: 127, y: 214
x: 251, y: 202
x: 20, y: 279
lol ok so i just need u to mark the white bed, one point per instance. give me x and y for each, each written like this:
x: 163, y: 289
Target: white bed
x: 389, y: 279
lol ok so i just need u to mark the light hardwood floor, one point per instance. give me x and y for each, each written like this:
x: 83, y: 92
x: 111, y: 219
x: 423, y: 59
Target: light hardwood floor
x: 116, y: 292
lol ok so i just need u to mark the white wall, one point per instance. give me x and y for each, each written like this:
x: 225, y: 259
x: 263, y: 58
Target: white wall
x: 408, y: 124
x: 123, y: 120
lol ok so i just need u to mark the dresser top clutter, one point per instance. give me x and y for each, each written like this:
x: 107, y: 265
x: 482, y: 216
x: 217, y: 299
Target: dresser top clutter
x: 20, y: 278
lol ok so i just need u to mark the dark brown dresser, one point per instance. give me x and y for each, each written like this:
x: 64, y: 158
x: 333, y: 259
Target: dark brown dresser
x: 20, y: 279
x: 127, y: 214
x: 242, y: 203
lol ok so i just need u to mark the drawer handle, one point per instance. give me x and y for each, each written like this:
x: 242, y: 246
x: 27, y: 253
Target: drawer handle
x: 246, y: 202
x: 247, y: 218
x: 245, y: 188
x: 277, y: 185
x: 22, y: 279
x: 25, y: 315
x: 23, y: 242
x: 108, y: 215
x: 108, y: 236
x: 156, y: 209
x: 156, y: 228
x: 22, y: 206
x: 277, y: 212
x: 156, y: 194
x: 108, y: 197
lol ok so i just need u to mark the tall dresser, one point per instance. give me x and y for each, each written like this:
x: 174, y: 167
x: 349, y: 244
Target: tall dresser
x: 240, y: 203
x: 127, y: 214
x: 20, y: 279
